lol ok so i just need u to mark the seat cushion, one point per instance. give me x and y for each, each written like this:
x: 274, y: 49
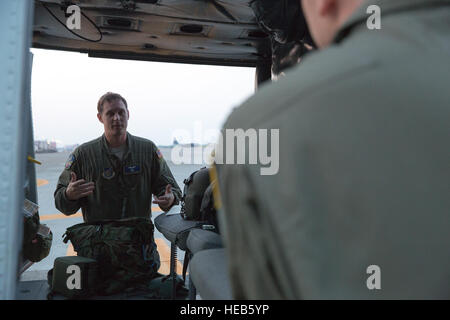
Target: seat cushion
x: 175, y: 228
x: 199, y: 239
x: 208, y: 270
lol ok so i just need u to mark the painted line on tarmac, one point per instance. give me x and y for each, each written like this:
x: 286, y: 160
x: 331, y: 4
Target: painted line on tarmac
x: 70, y: 251
x: 41, y: 182
x: 164, y: 256
x: 59, y: 216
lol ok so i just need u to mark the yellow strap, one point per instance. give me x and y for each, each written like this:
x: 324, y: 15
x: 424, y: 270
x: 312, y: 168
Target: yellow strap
x: 33, y: 160
x: 215, y: 188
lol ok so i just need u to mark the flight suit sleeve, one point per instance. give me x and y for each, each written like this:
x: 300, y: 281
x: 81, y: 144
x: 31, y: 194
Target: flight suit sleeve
x: 162, y: 176
x: 63, y: 204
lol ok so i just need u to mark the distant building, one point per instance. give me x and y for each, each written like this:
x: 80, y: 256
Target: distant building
x: 45, y: 146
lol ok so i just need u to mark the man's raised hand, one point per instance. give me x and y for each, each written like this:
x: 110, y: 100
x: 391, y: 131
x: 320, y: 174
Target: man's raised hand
x: 165, y: 201
x: 78, y: 189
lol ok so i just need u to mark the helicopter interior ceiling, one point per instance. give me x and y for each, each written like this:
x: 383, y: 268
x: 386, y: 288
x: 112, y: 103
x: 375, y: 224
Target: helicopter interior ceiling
x: 217, y: 32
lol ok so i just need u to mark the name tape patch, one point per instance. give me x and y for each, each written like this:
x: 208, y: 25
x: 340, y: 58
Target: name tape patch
x: 132, y: 169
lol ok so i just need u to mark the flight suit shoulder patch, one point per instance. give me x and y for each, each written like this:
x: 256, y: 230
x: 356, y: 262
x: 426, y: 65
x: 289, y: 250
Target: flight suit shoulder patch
x: 70, y: 161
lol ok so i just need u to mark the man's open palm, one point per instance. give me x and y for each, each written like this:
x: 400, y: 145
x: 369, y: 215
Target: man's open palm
x: 78, y: 189
x: 165, y: 201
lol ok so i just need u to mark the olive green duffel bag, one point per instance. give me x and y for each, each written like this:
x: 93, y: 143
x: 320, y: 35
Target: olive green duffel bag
x: 73, y: 277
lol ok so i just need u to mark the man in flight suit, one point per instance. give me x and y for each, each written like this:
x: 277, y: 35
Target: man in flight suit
x: 114, y: 176
x: 360, y: 205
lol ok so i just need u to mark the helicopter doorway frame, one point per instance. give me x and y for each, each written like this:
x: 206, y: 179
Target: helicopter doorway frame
x: 17, y: 178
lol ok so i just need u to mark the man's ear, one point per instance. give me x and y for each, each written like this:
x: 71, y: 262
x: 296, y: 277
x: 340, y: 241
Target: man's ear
x: 99, y: 116
x: 128, y: 113
x: 327, y: 7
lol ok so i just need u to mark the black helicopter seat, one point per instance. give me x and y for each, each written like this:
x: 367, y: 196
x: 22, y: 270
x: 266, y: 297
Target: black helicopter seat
x: 176, y: 229
x: 190, y: 237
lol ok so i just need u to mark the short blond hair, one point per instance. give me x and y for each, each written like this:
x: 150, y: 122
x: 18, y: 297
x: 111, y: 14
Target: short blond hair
x: 109, y: 97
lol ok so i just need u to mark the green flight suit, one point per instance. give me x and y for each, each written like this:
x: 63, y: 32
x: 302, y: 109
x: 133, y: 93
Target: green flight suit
x: 123, y: 189
x: 364, y: 167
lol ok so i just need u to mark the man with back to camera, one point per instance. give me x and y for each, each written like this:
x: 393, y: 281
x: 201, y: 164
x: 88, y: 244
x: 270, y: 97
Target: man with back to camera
x: 363, y: 171
x: 114, y: 176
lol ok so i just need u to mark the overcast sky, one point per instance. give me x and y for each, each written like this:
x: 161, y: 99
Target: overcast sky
x: 164, y: 99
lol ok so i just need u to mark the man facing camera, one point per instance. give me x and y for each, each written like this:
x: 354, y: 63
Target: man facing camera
x: 114, y: 176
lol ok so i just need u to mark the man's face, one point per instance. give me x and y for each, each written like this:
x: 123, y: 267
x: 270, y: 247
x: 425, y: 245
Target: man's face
x: 114, y: 117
